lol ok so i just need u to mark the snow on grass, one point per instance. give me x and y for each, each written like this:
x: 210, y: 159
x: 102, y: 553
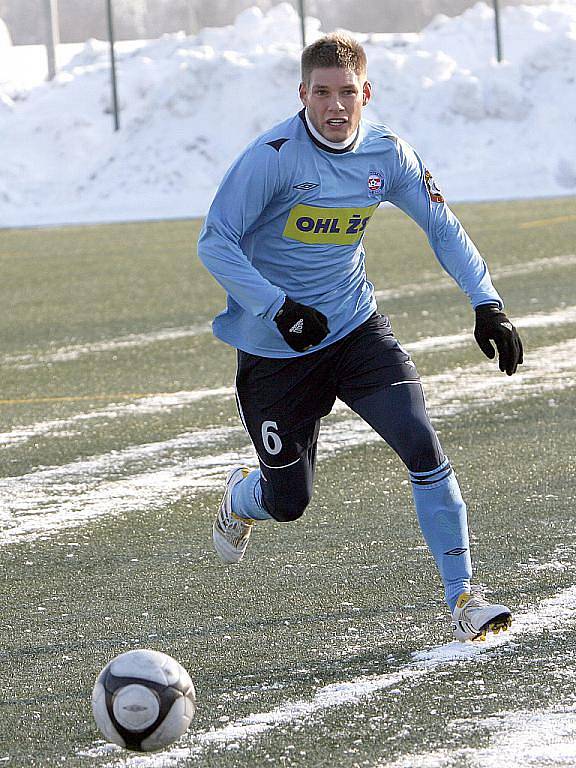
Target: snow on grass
x: 565, y: 316
x: 555, y: 613
x: 160, y: 402
x: 510, y: 270
x: 517, y: 736
x: 142, y: 405
x: 72, y: 352
x: 157, y: 474
x: 519, y: 739
x: 464, y: 389
x: 129, y: 341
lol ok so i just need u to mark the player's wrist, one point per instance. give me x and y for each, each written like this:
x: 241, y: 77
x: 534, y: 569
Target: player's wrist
x: 287, y: 306
x: 489, y: 308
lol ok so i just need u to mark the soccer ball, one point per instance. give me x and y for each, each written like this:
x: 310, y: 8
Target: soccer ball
x: 143, y: 700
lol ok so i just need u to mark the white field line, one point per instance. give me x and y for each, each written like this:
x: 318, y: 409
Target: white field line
x: 46, y: 501
x: 161, y: 402
x: 75, y: 351
x: 523, y: 739
x: 552, y: 615
x: 445, y: 282
x: 70, y: 352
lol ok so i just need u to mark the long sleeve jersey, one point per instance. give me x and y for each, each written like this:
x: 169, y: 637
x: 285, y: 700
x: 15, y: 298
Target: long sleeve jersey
x: 289, y: 218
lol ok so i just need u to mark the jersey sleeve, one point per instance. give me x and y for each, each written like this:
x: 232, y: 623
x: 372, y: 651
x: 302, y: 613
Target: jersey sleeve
x: 247, y: 188
x: 413, y: 190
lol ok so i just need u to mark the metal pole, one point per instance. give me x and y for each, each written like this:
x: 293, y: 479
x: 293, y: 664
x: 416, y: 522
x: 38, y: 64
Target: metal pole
x: 497, y: 25
x: 52, y: 35
x: 113, y: 66
x: 302, y: 22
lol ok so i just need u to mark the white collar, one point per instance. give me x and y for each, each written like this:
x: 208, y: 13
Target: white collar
x: 330, y: 144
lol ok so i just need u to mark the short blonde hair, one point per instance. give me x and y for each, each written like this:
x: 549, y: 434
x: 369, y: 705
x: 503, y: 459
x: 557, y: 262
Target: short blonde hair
x: 333, y: 50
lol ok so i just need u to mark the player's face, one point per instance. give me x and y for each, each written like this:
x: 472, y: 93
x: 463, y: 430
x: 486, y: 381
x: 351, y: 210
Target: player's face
x: 334, y: 98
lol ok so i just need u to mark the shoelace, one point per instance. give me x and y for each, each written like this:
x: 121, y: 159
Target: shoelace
x: 477, y: 600
x: 235, y: 525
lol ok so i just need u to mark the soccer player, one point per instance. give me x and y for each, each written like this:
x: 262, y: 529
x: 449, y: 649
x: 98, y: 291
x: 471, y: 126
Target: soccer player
x: 284, y: 238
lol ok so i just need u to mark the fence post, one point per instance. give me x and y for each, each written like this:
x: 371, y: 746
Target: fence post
x: 113, y: 66
x: 52, y: 35
x: 302, y: 22
x: 497, y: 26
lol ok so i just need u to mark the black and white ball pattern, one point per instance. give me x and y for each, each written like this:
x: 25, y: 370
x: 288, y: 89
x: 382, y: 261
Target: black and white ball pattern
x: 143, y: 700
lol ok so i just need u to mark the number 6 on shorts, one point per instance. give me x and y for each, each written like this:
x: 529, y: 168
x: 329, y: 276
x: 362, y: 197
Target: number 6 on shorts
x: 271, y: 439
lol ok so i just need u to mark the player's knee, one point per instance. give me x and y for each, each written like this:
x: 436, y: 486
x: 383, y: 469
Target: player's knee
x: 422, y: 451
x: 290, y: 507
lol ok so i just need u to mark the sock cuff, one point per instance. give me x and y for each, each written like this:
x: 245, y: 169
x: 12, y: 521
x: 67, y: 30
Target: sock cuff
x: 433, y: 476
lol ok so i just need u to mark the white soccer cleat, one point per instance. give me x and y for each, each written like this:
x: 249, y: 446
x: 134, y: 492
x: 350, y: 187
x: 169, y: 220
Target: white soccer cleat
x: 474, y: 616
x: 230, y: 533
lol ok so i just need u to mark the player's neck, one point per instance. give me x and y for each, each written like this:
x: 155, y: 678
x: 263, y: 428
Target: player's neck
x: 338, y: 146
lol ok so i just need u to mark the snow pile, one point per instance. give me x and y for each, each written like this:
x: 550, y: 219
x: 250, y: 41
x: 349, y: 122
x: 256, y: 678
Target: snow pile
x: 190, y: 104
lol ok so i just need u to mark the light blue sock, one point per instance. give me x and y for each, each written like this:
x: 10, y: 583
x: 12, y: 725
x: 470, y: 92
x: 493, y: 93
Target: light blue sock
x: 247, y: 498
x: 442, y: 516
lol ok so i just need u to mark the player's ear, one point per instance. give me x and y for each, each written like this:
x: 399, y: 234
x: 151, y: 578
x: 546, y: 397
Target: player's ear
x: 366, y: 92
x: 303, y: 93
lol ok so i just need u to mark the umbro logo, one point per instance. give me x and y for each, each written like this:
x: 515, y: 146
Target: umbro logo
x: 306, y: 185
x: 456, y: 551
x: 298, y: 327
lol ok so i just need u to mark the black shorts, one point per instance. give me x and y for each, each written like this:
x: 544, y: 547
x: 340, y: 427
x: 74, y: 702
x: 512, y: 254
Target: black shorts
x: 281, y: 400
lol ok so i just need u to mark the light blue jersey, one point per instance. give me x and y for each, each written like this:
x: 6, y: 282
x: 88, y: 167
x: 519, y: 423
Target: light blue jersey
x: 289, y: 218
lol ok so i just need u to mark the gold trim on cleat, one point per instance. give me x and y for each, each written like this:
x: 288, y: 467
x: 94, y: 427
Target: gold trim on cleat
x: 463, y: 599
x: 246, y: 520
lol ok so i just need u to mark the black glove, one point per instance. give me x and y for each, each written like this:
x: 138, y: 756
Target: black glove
x: 493, y: 325
x: 302, y: 327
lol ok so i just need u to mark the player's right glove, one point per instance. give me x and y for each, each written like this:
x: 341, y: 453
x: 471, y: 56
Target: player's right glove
x: 302, y: 327
x: 492, y: 325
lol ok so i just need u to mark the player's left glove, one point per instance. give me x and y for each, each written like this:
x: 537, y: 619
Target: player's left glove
x: 492, y: 325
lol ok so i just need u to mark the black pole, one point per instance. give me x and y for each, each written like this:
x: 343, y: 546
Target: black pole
x: 497, y: 24
x: 113, y: 66
x: 302, y: 22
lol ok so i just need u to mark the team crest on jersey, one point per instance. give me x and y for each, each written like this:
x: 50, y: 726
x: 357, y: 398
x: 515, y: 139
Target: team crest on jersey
x: 433, y: 188
x: 374, y: 183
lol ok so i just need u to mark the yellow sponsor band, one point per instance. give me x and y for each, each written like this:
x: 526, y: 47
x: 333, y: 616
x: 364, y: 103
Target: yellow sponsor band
x: 337, y: 226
